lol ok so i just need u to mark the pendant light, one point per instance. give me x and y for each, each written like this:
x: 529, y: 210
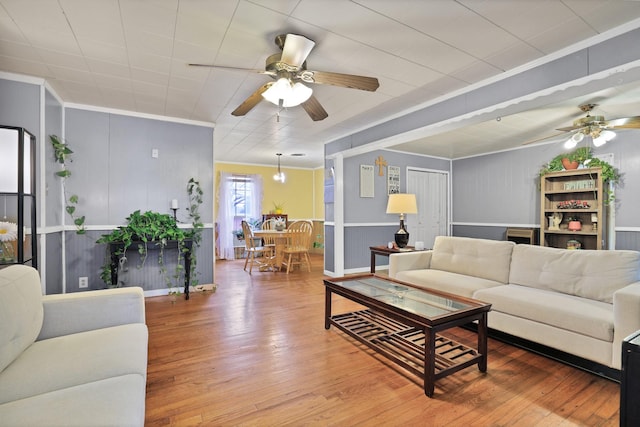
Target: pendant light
x: 279, y: 176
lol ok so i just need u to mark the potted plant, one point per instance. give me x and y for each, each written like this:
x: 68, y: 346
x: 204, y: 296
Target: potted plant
x: 143, y: 229
x: 278, y: 208
x: 279, y: 223
x: 584, y: 157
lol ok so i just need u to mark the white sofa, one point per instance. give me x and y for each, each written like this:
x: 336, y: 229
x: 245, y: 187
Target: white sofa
x: 580, y: 302
x: 70, y: 360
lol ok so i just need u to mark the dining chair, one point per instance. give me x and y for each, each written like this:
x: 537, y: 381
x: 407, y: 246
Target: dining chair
x: 296, y: 252
x: 251, y: 250
x: 269, y: 242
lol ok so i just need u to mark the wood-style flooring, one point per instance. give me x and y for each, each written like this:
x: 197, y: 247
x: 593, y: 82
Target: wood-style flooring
x: 256, y: 353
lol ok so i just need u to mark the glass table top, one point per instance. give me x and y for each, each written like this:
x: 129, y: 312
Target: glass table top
x: 423, y: 303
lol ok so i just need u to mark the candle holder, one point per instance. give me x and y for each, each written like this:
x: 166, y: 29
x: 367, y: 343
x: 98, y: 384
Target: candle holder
x: 174, y: 208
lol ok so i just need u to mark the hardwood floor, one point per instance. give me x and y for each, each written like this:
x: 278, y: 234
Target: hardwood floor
x: 256, y: 353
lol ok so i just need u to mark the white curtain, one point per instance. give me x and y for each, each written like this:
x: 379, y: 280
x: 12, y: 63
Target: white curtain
x: 226, y: 209
x: 255, y: 203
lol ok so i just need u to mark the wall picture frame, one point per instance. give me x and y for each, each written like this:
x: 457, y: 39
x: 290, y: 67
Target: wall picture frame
x: 393, y: 179
x: 367, y: 181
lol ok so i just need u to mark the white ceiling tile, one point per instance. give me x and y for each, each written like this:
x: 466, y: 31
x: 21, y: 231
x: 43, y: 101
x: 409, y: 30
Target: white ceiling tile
x: 95, y: 20
x: 103, y: 51
x: 157, y: 16
x: 106, y: 81
x: 72, y: 75
x: 21, y: 66
x: 18, y: 50
x: 108, y: 68
x: 62, y: 59
x: 514, y: 56
x: 148, y: 62
x: 151, y: 43
x: 9, y: 31
x: 149, y: 77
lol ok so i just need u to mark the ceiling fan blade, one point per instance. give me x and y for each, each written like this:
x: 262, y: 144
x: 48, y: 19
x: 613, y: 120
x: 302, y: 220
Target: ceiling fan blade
x: 251, y: 101
x: 251, y: 70
x: 543, y: 138
x: 296, y: 49
x: 570, y: 128
x: 314, y: 109
x: 625, y: 123
x: 342, y: 80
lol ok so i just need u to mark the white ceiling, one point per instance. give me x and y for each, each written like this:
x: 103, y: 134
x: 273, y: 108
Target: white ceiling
x: 133, y: 54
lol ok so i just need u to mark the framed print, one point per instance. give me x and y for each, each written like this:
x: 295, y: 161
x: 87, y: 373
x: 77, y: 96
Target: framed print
x: 393, y: 179
x: 366, y: 180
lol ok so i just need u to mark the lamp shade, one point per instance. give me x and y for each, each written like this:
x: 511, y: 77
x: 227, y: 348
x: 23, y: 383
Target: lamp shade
x: 402, y: 204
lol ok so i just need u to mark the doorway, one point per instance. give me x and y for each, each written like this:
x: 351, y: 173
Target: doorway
x: 432, y: 196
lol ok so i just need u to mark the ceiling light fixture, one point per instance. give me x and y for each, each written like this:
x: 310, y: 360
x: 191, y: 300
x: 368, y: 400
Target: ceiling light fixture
x: 279, y: 176
x: 287, y: 94
x: 599, y: 136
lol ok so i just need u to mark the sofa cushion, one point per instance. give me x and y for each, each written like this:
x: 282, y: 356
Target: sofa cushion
x: 568, y: 312
x: 487, y: 259
x: 20, y: 311
x: 117, y: 401
x: 590, y: 274
x: 445, y: 281
x: 71, y: 360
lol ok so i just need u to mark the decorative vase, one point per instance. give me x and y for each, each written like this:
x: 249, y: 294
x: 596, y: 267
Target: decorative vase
x: 575, y: 225
x: 7, y: 254
x: 569, y: 165
x: 279, y: 227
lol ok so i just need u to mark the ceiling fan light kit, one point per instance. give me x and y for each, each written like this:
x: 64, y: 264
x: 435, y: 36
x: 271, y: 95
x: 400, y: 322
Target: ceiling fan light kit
x: 285, y: 94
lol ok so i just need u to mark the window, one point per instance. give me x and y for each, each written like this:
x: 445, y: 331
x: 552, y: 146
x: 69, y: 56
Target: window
x: 239, y: 198
x: 243, y: 190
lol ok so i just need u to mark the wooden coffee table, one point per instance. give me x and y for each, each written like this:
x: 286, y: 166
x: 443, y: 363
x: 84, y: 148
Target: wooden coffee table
x: 403, y: 323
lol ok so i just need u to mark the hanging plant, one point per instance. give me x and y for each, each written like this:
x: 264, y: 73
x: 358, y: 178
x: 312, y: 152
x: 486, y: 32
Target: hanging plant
x: 62, y: 153
x: 195, y: 200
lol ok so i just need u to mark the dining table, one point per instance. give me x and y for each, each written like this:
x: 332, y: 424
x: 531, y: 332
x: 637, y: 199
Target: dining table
x: 280, y: 239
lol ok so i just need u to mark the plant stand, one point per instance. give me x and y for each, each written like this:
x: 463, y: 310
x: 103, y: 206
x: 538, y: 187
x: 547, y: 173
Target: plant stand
x: 116, y: 248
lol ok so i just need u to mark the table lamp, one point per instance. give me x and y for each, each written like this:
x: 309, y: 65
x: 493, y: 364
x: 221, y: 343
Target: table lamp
x: 402, y: 204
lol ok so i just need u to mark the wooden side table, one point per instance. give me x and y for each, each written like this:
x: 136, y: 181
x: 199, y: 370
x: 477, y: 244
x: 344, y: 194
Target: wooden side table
x: 385, y: 251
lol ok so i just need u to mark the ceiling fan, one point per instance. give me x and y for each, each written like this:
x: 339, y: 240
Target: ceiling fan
x: 289, y: 70
x: 599, y: 129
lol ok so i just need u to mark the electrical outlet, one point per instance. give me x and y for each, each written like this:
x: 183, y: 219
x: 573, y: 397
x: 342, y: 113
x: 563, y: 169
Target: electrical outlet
x: 83, y: 282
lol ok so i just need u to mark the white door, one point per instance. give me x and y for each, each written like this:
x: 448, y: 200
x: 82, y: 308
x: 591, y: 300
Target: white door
x: 432, y: 196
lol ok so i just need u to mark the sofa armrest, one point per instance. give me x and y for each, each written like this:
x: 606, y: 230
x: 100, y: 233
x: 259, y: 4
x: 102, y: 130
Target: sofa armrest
x: 626, y: 317
x: 85, y: 311
x: 409, y: 261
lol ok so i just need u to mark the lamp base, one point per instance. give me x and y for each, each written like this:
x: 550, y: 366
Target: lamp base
x: 402, y: 238
x: 402, y: 235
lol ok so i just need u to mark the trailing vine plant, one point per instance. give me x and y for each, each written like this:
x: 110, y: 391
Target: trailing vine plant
x: 584, y: 156
x: 195, y: 200
x: 142, y: 229
x: 62, y: 154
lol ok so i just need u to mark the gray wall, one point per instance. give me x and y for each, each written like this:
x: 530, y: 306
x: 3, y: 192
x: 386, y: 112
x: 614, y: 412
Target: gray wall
x: 499, y: 190
x: 366, y: 221
x: 114, y: 175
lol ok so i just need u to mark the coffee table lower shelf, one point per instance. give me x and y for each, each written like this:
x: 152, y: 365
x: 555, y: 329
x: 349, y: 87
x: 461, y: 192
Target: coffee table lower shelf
x: 405, y: 345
